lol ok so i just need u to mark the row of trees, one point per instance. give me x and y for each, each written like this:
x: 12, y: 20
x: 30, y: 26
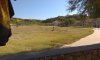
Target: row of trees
x: 19, y: 21
x: 69, y: 20
x: 57, y: 21
x: 62, y: 21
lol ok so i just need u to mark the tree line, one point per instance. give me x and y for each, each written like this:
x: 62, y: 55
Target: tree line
x: 62, y: 21
x: 20, y: 21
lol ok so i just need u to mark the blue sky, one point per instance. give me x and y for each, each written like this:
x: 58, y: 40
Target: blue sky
x: 39, y: 9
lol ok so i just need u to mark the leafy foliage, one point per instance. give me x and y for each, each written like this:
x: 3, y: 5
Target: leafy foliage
x: 90, y: 7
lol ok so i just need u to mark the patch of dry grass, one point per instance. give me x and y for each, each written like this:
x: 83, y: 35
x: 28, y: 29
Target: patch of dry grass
x: 36, y: 38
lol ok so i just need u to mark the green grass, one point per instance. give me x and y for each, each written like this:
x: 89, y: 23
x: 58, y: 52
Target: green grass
x: 37, y: 38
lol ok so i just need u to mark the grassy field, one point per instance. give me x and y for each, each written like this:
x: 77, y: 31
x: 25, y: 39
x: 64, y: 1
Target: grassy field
x: 37, y: 38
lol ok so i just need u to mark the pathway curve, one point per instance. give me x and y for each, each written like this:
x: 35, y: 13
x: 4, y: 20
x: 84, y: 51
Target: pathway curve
x: 91, y: 39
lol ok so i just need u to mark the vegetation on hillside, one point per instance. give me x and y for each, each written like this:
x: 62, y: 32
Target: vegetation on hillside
x: 62, y: 21
x: 19, y: 21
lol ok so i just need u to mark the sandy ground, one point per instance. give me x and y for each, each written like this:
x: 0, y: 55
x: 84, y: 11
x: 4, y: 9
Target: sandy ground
x: 91, y: 39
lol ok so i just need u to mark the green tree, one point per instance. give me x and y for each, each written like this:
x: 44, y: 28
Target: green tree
x: 90, y: 7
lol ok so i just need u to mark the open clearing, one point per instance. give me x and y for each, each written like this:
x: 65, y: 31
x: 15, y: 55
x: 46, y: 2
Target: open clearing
x: 37, y: 38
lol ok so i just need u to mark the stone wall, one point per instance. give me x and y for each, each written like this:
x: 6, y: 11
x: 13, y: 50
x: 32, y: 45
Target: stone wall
x: 89, y: 52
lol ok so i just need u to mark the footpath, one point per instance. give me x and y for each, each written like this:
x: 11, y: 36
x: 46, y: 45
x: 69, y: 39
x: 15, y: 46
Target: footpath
x: 91, y: 39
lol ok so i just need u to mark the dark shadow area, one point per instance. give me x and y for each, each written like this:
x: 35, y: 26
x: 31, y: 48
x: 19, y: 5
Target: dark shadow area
x: 4, y: 35
x: 50, y: 53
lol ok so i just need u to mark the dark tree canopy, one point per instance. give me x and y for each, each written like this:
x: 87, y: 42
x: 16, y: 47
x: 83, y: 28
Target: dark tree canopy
x: 90, y: 7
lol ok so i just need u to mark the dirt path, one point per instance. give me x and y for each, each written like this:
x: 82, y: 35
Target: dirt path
x: 91, y: 39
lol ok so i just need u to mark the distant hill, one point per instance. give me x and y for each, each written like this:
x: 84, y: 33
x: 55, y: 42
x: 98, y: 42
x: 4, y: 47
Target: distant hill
x: 63, y: 21
x: 21, y: 21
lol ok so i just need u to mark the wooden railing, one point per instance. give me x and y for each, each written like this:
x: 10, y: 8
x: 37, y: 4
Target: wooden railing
x: 89, y: 52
